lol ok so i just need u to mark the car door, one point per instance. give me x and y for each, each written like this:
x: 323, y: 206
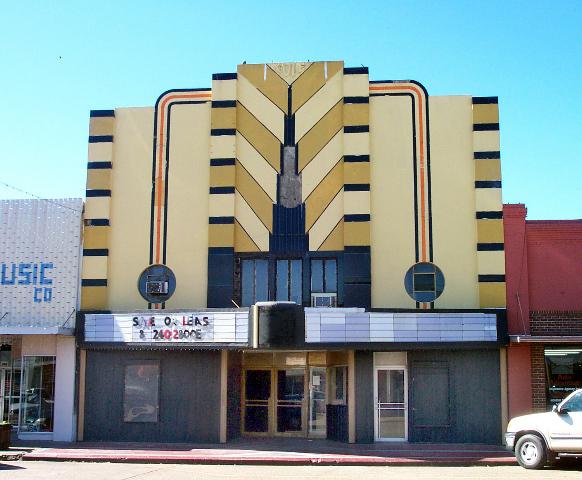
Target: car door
x: 566, y: 432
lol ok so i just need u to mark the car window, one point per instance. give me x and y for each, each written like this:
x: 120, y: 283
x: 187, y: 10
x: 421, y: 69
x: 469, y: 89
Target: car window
x: 574, y: 404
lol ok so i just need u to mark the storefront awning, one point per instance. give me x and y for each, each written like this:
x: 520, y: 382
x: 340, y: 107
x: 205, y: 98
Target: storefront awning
x: 55, y: 330
x: 545, y: 339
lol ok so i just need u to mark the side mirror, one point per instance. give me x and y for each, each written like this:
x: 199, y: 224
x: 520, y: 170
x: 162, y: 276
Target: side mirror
x: 554, y: 408
x: 561, y: 410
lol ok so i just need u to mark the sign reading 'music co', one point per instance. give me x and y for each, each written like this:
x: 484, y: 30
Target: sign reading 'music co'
x: 187, y: 327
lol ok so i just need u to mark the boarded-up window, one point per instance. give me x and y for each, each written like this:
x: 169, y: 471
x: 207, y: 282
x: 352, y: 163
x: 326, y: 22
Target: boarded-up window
x: 141, y: 393
x: 431, y: 403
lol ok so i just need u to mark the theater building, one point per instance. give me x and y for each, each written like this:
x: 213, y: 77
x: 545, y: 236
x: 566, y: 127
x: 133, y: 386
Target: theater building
x: 40, y: 252
x: 295, y: 251
x: 544, y: 307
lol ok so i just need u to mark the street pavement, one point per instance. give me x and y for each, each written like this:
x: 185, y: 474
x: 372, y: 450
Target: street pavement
x: 122, y: 471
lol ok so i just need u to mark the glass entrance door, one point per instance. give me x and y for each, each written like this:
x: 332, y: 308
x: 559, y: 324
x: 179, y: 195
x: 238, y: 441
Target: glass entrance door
x: 391, y: 404
x: 317, y: 402
x: 290, y: 401
x: 257, y: 400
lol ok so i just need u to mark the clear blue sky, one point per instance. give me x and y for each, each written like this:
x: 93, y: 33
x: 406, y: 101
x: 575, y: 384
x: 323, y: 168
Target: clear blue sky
x: 61, y: 59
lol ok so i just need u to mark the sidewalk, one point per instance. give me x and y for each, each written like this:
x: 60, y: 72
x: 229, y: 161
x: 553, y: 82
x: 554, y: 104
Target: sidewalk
x: 268, y: 452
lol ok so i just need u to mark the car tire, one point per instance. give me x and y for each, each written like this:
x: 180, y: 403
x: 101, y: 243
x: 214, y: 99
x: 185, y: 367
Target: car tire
x: 530, y: 451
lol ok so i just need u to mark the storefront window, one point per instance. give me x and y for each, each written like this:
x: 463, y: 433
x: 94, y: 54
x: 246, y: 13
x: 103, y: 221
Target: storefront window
x: 255, y: 281
x: 339, y: 378
x: 563, y: 372
x: 141, y: 395
x: 37, y: 394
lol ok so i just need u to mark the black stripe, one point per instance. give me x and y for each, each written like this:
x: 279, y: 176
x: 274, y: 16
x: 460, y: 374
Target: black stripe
x: 485, y: 127
x: 357, y: 217
x: 221, y: 190
x: 99, y: 165
x: 356, y: 158
x: 356, y: 128
x: 222, y: 162
x: 485, y: 100
x: 220, y: 250
x: 355, y: 70
x: 95, y: 252
x: 223, y: 103
x: 358, y: 249
x: 220, y: 220
x: 102, y: 113
x: 356, y: 99
x: 216, y: 132
x: 224, y: 76
x: 493, y: 215
x: 491, y: 278
x: 97, y: 193
x: 96, y: 222
x: 488, y: 184
x: 94, y: 282
x: 486, y: 155
x: 357, y: 187
x: 100, y: 138
x: 489, y: 247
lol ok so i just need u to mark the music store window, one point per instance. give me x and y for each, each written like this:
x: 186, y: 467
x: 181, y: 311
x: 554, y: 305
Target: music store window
x: 563, y: 372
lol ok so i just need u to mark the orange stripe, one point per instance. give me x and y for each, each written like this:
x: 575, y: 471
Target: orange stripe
x: 421, y: 162
x: 159, y: 176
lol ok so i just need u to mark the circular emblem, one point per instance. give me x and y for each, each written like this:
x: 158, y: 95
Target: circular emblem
x: 156, y: 284
x: 424, y: 282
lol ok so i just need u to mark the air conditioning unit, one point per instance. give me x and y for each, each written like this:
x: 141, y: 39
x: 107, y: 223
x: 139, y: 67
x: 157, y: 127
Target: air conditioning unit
x: 157, y: 287
x: 324, y: 299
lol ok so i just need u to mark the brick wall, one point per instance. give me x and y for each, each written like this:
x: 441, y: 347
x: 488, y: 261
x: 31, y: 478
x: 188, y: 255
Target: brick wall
x: 556, y: 323
x: 538, y: 378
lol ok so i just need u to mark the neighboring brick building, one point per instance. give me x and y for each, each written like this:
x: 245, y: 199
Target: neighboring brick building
x: 544, y: 308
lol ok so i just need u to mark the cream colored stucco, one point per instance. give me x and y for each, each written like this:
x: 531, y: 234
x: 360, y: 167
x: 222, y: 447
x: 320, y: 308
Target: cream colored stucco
x: 356, y: 85
x: 251, y: 223
x: 486, y: 141
x: 391, y: 191
x: 100, y: 152
x: 318, y: 105
x: 129, y: 239
x: 222, y: 146
x: 224, y: 90
x: 221, y: 205
x: 257, y: 166
x: 97, y: 207
x: 94, y: 267
x: 187, y: 240
x: 488, y: 199
x: 326, y: 222
x: 491, y: 263
x: 261, y: 107
x: 453, y: 200
x: 356, y: 203
x: 321, y: 165
x: 357, y: 143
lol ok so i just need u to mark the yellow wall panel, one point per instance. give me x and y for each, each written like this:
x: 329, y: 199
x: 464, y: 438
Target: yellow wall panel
x: 94, y: 267
x: 255, y: 196
x: 222, y: 146
x: 257, y: 166
x: 261, y: 108
x: 490, y: 231
x: 487, y: 169
x: 94, y: 298
x: 356, y: 85
x: 100, y: 152
x: 356, y: 203
x: 357, y: 234
x: 391, y: 181
x: 321, y: 165
x: 130, y: 206
x: 267, y: 81
x: 321, y: 103
x: 356, y: 114
x: 98, y: 179
x: 222, y: 176
x: 307, y: 84
x: 357, y: 144
x: 335, y: 240
x: 491, y: 263
x: 221, y: 205
x: 453, y: 196
x: 96, y: 237
x: 242, y: 240
x: 486, y: 113
x: 357, y: 172
x: 323, y: 194
x: 223, y: 90
x: 258, y: 136
x: 98, y: 207
x: 312, y: 143
x: 325, y: 224
x: 492, y: 295
x: 488, y: 200
x: 251, y: 223
x: 223, y: 118
x: 487, y: 141
x: 220, y: 235
x: 101, y: 126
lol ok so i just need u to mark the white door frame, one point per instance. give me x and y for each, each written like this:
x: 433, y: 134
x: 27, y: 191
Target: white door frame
x: 376, y: 409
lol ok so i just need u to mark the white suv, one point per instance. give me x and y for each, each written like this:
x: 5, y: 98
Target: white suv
x: 542, y: 437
